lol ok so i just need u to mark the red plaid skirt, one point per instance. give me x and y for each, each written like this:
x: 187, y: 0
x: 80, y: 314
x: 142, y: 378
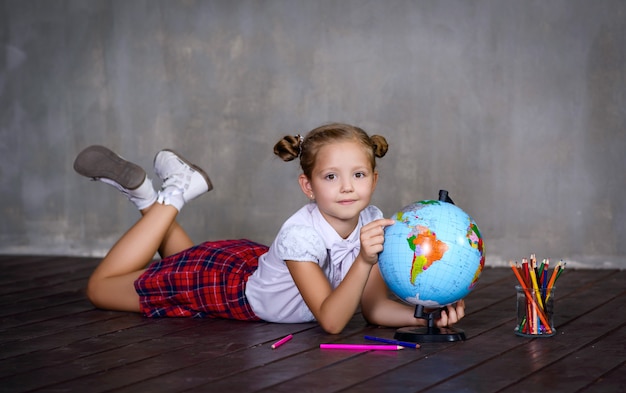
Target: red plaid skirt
x: 207, y: 280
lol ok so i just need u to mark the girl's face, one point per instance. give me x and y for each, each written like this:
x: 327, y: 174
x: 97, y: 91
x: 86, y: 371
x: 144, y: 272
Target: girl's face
x: 342, y: 184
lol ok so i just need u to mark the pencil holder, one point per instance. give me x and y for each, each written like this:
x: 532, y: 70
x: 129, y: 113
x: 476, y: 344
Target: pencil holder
x: 535, y: 312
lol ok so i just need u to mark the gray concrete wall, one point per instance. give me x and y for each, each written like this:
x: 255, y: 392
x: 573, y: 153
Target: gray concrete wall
x: 516, y: 107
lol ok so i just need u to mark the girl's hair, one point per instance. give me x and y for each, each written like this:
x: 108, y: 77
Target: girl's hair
x: 291, y: 147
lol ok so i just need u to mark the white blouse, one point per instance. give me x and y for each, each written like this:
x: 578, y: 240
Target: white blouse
x: 305, y: 236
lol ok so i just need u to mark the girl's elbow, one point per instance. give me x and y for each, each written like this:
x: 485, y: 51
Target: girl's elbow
x: 332, y: 325
x: 332, y: 328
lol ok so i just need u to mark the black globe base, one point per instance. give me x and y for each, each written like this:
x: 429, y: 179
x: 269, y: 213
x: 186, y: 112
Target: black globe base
x: 429, y: 334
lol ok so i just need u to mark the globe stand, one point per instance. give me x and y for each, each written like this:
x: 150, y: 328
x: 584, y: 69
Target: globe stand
x: 429, y: 333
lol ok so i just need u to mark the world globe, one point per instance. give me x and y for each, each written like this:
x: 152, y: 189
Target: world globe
x: 433, y: 255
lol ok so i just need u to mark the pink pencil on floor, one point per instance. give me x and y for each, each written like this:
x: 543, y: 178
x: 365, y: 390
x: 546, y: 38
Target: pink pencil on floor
x: 362, y: 347
x: 282, y: 341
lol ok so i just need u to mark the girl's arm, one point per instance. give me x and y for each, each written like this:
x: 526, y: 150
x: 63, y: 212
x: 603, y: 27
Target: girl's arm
x: 379, y: 309
x: 334, y: 309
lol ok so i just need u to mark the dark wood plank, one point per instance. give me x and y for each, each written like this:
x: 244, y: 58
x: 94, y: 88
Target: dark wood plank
x: 612, y: 381
x: 21, y: 272
x: 127, y: 330
x: 593, y: 305
x: 210, y: 357
x: 53, y: 339
x: 573, y: 370
x: 492, y: 340
x: 236, y: 359
x: 264, y: 378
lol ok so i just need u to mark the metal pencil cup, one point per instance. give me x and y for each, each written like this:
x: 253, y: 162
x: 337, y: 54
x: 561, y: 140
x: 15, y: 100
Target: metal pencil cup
x: 535, y: 312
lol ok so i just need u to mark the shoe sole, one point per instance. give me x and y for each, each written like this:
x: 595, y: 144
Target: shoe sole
x: 193, y: 166
x: 99, y: 162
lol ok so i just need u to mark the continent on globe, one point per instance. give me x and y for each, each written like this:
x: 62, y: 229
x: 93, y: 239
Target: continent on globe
x: 426, y: 249
x: 476, y: 241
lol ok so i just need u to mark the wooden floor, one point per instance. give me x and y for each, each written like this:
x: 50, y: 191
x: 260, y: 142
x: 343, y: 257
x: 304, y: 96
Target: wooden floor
x: 52, y: 339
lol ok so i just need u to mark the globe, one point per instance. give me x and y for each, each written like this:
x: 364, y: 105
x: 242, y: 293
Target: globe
x: 433, y: 255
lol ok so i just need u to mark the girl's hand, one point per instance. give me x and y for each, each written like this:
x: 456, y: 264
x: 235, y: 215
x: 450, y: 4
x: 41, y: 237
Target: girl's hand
x: 452, y: 314
x: 372, y: 238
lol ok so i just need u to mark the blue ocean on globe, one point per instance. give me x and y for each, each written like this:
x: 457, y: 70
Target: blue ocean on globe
x: 433, y: 255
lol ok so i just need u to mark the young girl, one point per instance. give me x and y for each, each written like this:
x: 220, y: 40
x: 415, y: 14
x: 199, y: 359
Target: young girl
x: 321, y: 266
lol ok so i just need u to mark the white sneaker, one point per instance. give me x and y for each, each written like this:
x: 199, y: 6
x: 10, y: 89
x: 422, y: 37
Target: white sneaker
x: 100, y: 163
x: 182, y: 180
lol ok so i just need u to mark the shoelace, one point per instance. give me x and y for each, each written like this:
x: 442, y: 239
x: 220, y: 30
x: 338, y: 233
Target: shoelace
x: 180, y: 180
x: 174, y: 185
x: 165, y: 195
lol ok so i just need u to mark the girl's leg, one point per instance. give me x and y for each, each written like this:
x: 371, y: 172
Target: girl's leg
x: 175, y: 240
x: 111, y: 285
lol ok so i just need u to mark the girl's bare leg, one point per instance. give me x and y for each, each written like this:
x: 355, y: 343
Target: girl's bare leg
x: 111, y: 285
x: 175, y: 241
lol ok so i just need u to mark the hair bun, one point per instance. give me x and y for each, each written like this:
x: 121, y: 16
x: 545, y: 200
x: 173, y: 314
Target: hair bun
x: 380, y: 145
x: 288, y: 148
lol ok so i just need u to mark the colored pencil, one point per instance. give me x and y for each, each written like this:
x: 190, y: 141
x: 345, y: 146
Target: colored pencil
x: 282, y: 341
x: 520, y: 269
x: 544, y: 277
x: 558, y: 269
x: 540, y: 271
x: 395, y: 342
x: 533, y: 278
x: 362, y: 347
x: 552, y: 280
x: 535, y: 320
x: 561, y: 270
x: 526, y: 274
